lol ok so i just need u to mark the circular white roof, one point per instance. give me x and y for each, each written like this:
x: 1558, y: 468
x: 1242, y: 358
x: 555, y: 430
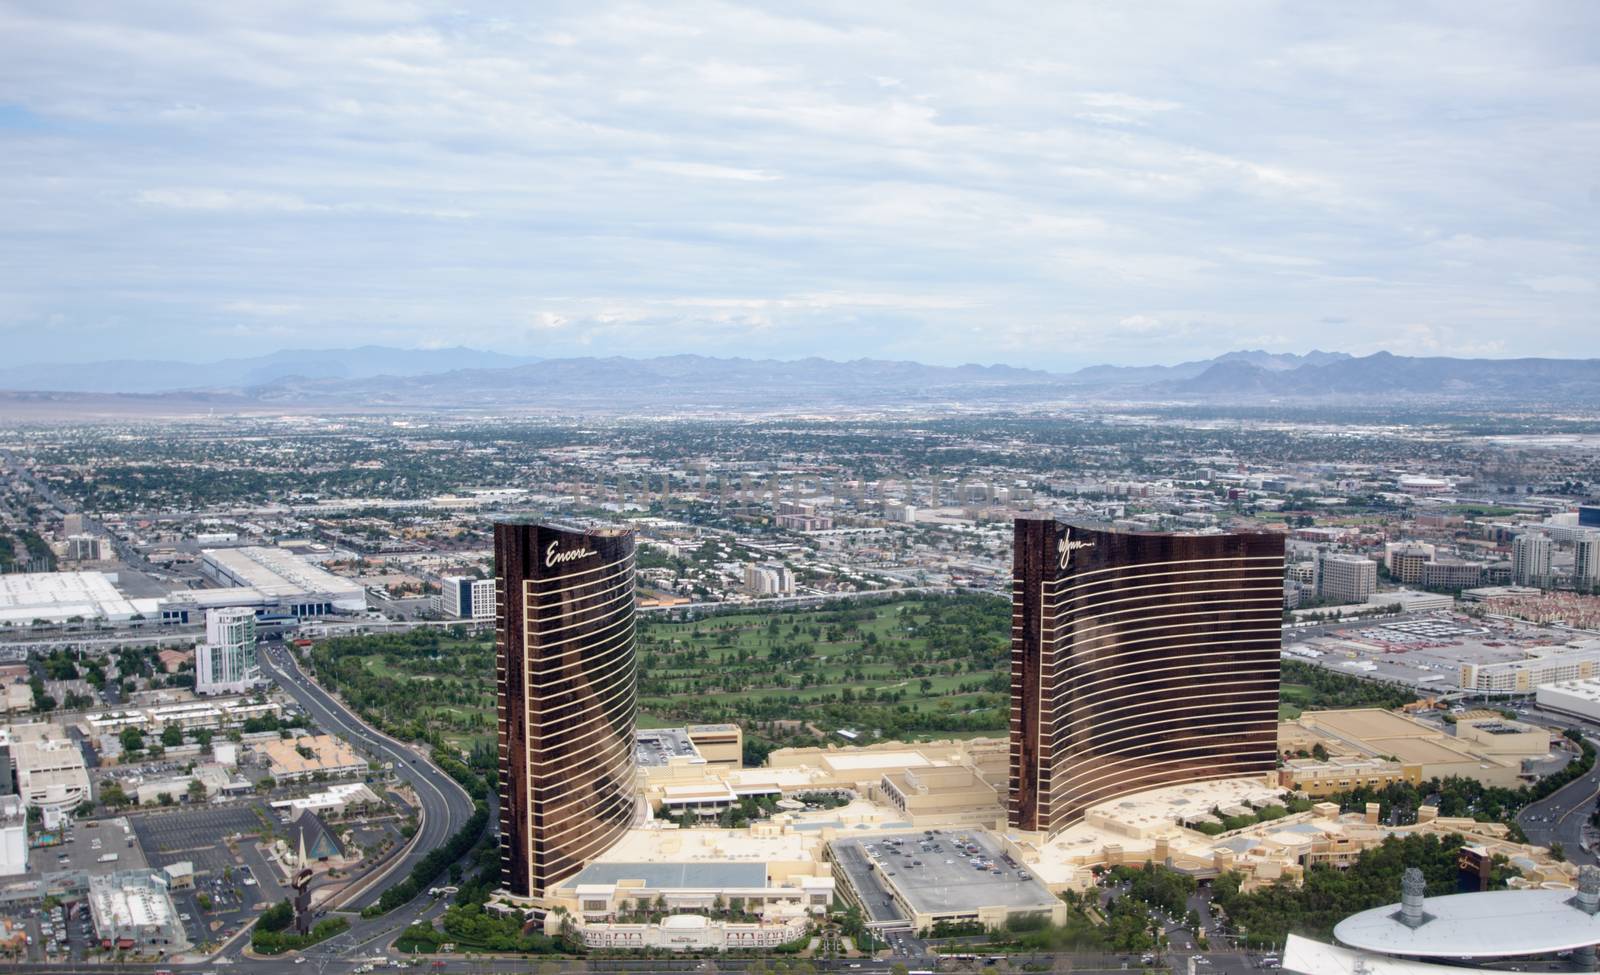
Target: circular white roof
x: 1487, y: 924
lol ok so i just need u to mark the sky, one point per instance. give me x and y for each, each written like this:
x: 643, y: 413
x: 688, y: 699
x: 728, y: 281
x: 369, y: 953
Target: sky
x: 1047, y: 185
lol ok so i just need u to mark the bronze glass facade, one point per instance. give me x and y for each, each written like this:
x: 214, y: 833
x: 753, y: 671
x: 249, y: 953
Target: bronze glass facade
x: 567, y: 690
x: 1138, y: 660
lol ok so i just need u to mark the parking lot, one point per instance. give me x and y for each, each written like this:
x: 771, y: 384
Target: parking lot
x: 229, y: 885
x: 1426, y: 652
x: 196, y: 835
x: 97, y: 849
x: 934, y: 873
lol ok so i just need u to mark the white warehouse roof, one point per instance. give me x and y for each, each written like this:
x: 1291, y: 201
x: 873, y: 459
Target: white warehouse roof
x: 57, y: 596
x: 282, y: 575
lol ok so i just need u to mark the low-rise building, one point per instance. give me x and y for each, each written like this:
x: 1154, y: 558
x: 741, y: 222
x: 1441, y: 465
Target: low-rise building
x: 695, y: 932
x: 1324, y: 778
x: 1482, y: 753
x: 214, y: 779
x: 1412, y: 601
x: 133, y: 910
x: 944, y: 794
x: 189, y: 715
x: 338, y: 800
x: 721, y: 745
x: 770, y: 871
x: 294, y: 759
x: 1579, y: 698
x: 1579, y: 660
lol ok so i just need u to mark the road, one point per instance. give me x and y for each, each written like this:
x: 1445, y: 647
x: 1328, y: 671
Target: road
x: 1560, y: 817
x: 446, y: 806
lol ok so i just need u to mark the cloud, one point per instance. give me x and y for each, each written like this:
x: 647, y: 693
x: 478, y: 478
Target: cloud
x: 763, y: 179
x: 1562, y: 284
x: 264, y: 309
x: 698, y: 170
x: 196, y: 198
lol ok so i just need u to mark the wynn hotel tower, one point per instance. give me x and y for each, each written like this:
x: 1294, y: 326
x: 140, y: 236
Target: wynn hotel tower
x: 567, y: 685
x: 1138, y: 660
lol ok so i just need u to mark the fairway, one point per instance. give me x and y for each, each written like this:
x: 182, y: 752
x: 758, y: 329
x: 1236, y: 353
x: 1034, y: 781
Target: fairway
x: 917, y: 668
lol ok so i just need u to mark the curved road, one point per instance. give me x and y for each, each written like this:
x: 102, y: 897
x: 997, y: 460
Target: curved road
x: 445, y: 805
x: 1559, y: 817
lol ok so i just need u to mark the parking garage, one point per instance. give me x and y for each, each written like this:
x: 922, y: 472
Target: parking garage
x: 939, y: 875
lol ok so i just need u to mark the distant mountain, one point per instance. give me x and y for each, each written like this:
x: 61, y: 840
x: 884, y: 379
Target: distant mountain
x: 677, y: 381
x: 381, y: 378
x: 1142, y: 375
x: 1402, y: 377
x: 161, y: 375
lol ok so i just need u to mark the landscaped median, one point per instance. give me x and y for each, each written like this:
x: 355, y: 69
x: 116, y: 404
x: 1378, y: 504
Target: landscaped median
x: 432, y: 865
x: 272, y: 936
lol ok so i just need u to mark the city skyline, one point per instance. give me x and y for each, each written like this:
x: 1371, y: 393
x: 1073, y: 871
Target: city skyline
x: 1061, y: 187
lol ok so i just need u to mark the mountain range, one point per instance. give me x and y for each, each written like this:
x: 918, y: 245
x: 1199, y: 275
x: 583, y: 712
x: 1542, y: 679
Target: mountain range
x: 165, y: 376
x: 380, y: 377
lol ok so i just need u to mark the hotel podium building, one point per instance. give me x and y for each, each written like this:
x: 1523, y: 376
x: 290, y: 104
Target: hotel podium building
x: 1138, y: 660
x: 567, y: 689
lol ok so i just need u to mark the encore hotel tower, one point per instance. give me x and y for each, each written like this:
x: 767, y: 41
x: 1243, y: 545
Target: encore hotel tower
x: 565, y: 670
x: 1138, y: 660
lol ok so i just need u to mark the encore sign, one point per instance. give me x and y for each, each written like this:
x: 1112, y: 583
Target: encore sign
x: 553, y: 556
x: 1066, y: 547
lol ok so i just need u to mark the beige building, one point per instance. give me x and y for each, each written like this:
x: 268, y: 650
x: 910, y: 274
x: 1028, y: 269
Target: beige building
x: 1317, y: 779
x: 1578, y: 660
x: 1147, y: 827
x: 720, y: 745
x: 293, y: 759
x: 770, y: 870
x: 51, y: 774
x: 1490, y: 751
x: 941, y: 794
x: 954, y: 782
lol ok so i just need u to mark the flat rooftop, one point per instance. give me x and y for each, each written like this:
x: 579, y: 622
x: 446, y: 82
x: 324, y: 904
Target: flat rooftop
x: 946, y: 882
x: 1429, y: 652
x: 57, y: 596
x: 677, y: 876
x: 675, y: 846
x: 657, y: 746
x: 277, y: 572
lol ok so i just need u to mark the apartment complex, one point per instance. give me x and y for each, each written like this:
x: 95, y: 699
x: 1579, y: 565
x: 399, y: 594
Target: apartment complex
x: 1586, y: 560
x: 226, y: 662
x: 567, y: 689
x: 1344, y: 578
x: 768, y: 579
x: 467, y: 598
x: 1138, y: 660
x: 1530, y: 559
x: 1579, y: 660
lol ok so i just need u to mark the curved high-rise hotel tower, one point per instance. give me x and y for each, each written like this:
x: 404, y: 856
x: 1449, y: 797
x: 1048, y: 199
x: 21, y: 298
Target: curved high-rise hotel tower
x: 1138, y: 660
x: 567, y: 684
